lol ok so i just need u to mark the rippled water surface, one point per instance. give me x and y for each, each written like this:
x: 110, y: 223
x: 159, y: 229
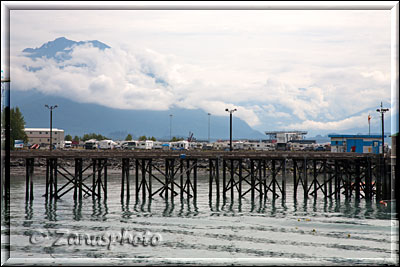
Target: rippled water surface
x: 306, y: 231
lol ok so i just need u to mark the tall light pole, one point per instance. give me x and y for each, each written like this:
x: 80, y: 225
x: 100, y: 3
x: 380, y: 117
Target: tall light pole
x: 51, y: 124
x: 209, y: 115
x: 170, y: 127
x: 382, y: 111
x: 230, y: 113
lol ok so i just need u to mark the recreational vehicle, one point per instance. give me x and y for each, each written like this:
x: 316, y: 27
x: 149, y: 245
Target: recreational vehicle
x: 107, y: 144
x: 157, y: 145
x: 67, y: 144
x: 180, y: 145
x: 148, y: 144
x: 91, y: 144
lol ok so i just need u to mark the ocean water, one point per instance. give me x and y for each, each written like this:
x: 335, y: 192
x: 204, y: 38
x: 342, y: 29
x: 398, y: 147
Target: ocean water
x: 294, y: 231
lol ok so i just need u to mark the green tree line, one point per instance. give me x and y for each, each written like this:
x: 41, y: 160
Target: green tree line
x: 17, y: 127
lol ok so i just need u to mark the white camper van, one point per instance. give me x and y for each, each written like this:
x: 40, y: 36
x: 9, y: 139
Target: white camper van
x: 67, y: 144
x: 148, y: 144
x: 157, y: 145
x: 107, y: 144
x: 91, y: 144
x: 180, y: 145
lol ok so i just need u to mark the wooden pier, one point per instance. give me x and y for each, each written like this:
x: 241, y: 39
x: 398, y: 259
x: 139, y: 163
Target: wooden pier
x: 231, y: 175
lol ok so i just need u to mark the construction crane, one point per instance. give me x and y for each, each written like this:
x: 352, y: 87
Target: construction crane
x: 190, y: 138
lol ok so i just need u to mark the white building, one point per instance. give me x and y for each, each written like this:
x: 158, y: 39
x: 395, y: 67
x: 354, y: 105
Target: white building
x: 286, y: 136
x: 41, y: 136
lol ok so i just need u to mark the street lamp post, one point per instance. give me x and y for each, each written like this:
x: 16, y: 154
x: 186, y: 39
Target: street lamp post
x: 382, y: 111
x: 170, y: 127
x: 209, y: 115
x: 384, y: 189
x: 51, y: 124
x: 230, y: 113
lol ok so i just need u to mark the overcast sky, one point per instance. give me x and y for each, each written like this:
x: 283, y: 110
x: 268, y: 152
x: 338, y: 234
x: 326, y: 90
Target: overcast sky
x: 314, y: 70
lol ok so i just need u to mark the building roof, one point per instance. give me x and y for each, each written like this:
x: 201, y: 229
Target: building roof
x: 292, y: 132
x: 43, y: 130
x: 355, y: 136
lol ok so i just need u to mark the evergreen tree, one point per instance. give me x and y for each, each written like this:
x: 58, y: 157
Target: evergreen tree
x: 76, y: 138
x: 142, y: 138
x: 98, y: 137
x: 128, y: 137
x: 17, y: 125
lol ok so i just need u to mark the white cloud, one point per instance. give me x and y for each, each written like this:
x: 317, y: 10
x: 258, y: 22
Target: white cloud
x: 309, y: 66
x: 360, y: 121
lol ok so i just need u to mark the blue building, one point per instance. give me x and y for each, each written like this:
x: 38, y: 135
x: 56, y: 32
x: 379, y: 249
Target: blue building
x: 356, y: 143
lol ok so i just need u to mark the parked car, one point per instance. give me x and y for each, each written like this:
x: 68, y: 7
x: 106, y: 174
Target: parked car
x: 130, y: 145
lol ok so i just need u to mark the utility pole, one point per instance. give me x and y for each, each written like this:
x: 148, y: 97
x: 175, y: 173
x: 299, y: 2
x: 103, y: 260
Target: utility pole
x: 209, y: 115
x: 382, y: 111
x: 51, y: 124
x: 170, y: 127
x: 230, y: 113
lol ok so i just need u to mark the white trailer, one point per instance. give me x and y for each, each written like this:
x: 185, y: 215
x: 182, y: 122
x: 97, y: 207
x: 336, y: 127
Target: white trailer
x: 107, y: 144
x: 148, y: 144
x: 157, y: 145
x: 91, y: 144
x: 180, y: 145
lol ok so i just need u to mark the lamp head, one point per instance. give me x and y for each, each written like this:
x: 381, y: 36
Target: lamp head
x: 235, y: 109
x: 226, y: 109
x: 47, y: 106
x: 55, y: 106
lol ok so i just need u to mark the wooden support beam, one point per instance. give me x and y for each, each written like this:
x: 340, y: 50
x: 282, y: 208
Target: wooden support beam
x: 137, y: 180
x: 143, y: 181
x: 94, y: 177
x: 337, y: 181
x: 80, y: 180
x: 305, y: 179
x: 47, y: 179
x: 150, y: 169
x: 217, y: 178
x: 283, y: 167
x: 325, y: 179
x: 105, y: 179
x: 181, y: 178
x: 273, y: 170
x: 55, y: 178
x: 357, y: 180
x: 295, y: 183
x: 240, y: 179
x: 195, y: 181
x: 315, y: 174
x: 253, y: 183
x: 211, y: 176
x: 232, y: 180
x: 224, y: 179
